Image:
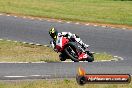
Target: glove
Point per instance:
(55, 50)
(52, 44)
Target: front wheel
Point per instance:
(71, 50)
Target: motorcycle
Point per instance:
(70, 49)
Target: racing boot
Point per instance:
(62, 57)
(84, 46)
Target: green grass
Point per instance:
(103, 56)
(100, 11)
(58, 84)
(18, 52)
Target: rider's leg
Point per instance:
(62, 56)
(81, 42)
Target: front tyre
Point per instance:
(71, 50)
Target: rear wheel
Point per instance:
(71, 50)
(91, 57)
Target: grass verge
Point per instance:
(99, 11)
(19, 52)
(58, 84)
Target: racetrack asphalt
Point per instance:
(115, 41)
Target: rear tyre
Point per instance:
(91, 57)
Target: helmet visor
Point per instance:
(53, 35)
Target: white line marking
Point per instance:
(1, 14)
(115, 56)
(72, 61)
(95, 61)
(15, 41)
(35, 75)
(39, 19)
(21, 62)
(68, 22)
(7, 15)
(1, 39)
(14, 62)
(14, 76)
(46, 75)
(26, 76)
(31, 43)
(95, 25)
(87, 61)
(40, 75)
(38, 62)
(38, 44)
(32, 18)
(76, 23)
(24, 17)
(120, 58)
(15, 16)
(59, 21)
(87, 24)
(115, 59)
(67, 61)
(46, 45)
(24, 42)
(105, 60)
(123, 28)
(93, 52)
(103, 26)
(112, 27)
(8, 40)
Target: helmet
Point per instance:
(53, 33)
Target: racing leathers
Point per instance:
(70, 36)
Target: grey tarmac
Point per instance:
(115, 41)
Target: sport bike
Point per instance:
(70, 49)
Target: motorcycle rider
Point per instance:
(55, 34)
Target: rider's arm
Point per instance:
(52, 44)
(66, 34)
